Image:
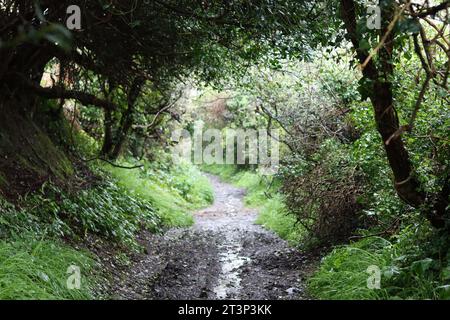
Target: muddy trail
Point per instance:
(225, 255)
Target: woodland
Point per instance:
(91, 93)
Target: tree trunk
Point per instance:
(108, 138)
(378, 75)
(127, 118)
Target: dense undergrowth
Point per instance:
(407, 268)
(34, 258)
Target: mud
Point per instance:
(225, 255)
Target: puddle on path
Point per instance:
(229, 282)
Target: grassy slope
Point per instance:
(34, 263)
(173, 194)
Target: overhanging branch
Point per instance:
(433, 10)
(62, 93)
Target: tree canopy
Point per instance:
(127, 49)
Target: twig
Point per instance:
(113, 164)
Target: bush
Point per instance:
(326, 194)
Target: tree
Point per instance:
(131, 44)
(378, 70)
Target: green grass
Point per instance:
(117, 208)
(173, 194)
(191, 184)
(273, 216)
(262, 193)
(407, 271)
(37, 269)
(226, 171)
(257, 186)
(343, 273)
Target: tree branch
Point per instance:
(433, 10)
(58, 92)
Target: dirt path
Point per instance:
(223, 256)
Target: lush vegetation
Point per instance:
(360, 102)
(407, 271)
(123, 202)
(336, 188)
(174, 192)
(33, 268)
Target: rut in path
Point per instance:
(225, 255)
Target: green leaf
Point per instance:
(364, 88)
(421, 266)
(444, 292)
(409, 26)
(445, 273)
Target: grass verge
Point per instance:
(405, 269)
(40, 269)
(173, 193)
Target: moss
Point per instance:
(56, 160)
(28, 155)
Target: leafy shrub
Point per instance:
(326, 195)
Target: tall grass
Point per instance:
(407, 270)
(343, 273)
(37, 269)
(274, 216)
